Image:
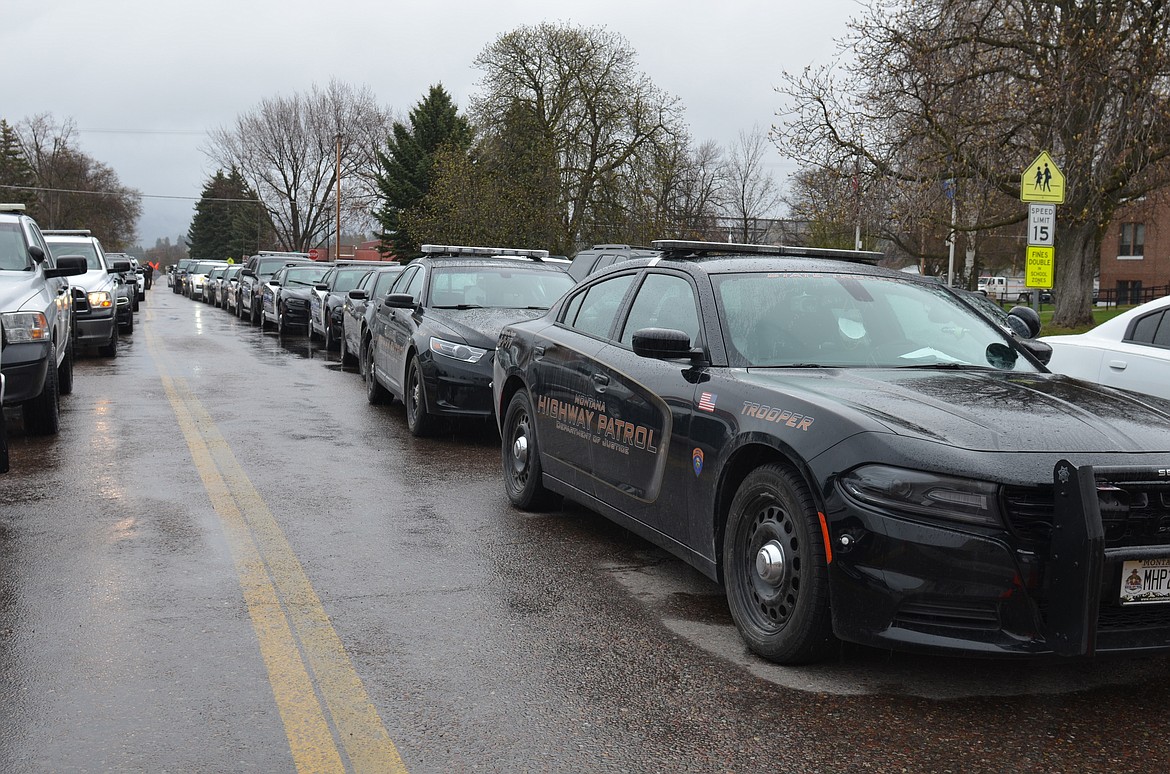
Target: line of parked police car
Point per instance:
(855, 454)
(60, 293)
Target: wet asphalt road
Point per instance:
(229, 561)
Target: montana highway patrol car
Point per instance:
(854, 453)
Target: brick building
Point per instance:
(1135, 253)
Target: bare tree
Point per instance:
(751, 191)
(75, 190)
(288, 149)
(583, 87)
(972, 90)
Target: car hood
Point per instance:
(296, 292)
(94, 279)
(983, 410)
(479, 327)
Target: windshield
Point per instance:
(468, 287)
(84, 249)
(13, 254)
(784, 319)
(309, 275)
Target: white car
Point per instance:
(1130, 352)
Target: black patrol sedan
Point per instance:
(433, 337)
(854, 453)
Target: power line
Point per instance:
(123, 193)
(143, 131)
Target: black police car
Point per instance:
(432, 337)
(853, 452)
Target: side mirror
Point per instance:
(1040, 350)
(321, 286)
(399, 301)
(37, 253)
(68, 266)
(119, 267)
(247, 273)
(1030, 319)
(662, 344)
(358, 295)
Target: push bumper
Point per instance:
(94, 329)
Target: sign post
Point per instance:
(1042, 185)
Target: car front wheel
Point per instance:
(42, 413)
(419, 421)
(775, 570)
(521, 456)
(375, 392)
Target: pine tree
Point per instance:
(404, 175)
(229, 220)
(17, 179)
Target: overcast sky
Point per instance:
(143, 80)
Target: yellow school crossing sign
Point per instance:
(1042, 181)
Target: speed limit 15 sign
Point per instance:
(1041, 224)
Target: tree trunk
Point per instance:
(1078, 246)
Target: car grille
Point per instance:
(1132, 513)
(976, 616)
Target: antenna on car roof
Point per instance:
(685, 248)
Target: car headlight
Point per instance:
(100, 299)
(456, 351)
(926, 494)
(20, 327)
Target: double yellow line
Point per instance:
(319, 695)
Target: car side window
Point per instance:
(382, 286)
(1146, 329)
(594, 309)
(404, 279)
(663, 301)
(414, 289)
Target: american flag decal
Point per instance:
(707, 401)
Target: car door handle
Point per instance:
(1118, 365)
(600, 382)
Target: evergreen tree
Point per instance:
(229, 220)
(16, 174)
(404, 173)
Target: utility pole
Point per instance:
(337, 239)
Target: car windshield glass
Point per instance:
(84, 249)
(786, 319)
(13, 254)
(310, 275)
(497, 286)
(347, 279)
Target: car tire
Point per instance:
(521, 456)
(375, 392)
(42, 413)
(65, 371)
(781, 607)
(110, 349)
(419, 421)
(281, 329)
(128, 325)
(346, 358)
(330, 339)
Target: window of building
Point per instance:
(1133, 240)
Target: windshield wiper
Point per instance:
(941, 366)
(460, 306)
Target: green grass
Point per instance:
(1100, 315)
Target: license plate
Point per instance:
(1145, 580)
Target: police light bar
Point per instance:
(486, 252)
(67, 231)
(684, 248)
(12, 207)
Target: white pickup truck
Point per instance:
(1009, 289)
